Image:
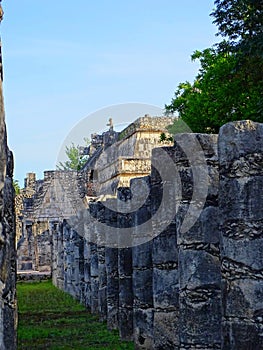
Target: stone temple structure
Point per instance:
(114, 158)
(8, 317)
(164, 242)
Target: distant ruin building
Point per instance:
(116, 158)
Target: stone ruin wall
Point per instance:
(195, 289)
(8, 317)
(41, 203)
(130, 156)
(181, 289)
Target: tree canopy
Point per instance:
(238, 20)
(76, 158)
(16, 187)
(229, 83)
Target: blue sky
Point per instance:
(65, 60)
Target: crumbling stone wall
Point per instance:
(39, 207)
(199, 288)
(8, 317)
(124, 156)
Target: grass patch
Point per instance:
(48, 318)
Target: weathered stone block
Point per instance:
(125, 261)
(200, 317)
(126, 323)
(94, 295)
(246, 252)
(204, 231)
(238, 335)
(198, 268)
(240, 139)
(142, 255)
(248, 191)
(164, 248)
(102, 302)
(125, 292)
(142, 288)
(143, 328)
(111, 260)
(244, 297)
(241, 214)
(166, 330)
(165, 289)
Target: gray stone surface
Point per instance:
(111, 256)
(102, 273)
(199, 288)
(198, 260)
(142, 278)
(125, 268)
(112, 270)
(241, 207)
(8, 317)
(165, 276)
(143, 328)
(87, 275)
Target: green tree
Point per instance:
(165, 138)
(229, 83)
(240, 23)
(16, 187)
(219, 94)
(239, 20)
(76, 158)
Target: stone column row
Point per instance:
(179, 268)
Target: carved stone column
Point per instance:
(241, 214)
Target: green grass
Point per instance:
(50, 319)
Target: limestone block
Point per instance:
(245, 190)
(142, 255)
(142, 279)
(244, 298)
(200, 318)
(238, 142)
(198, 268)
(166, 330)
(165, 289)
(242, 335)
(125, 262)
(241, 214)
(164, 248)
(142, 288)
(111, 259)
(143, 328)
(87, 275)
(126, 323)
(205, 230)
(94, 294)
(125, 292)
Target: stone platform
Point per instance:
(33, 276)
